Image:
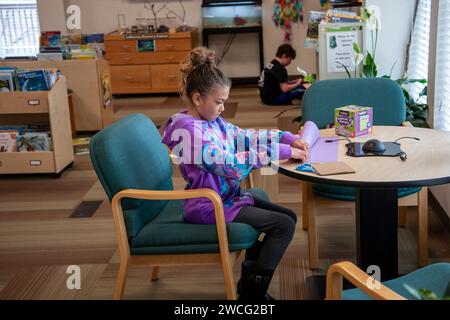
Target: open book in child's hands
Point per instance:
(309, 78)
(302, 72)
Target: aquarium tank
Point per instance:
(231, 14)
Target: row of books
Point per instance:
(55, 38)
(336, 16)
(15, 79)
(56, 47)
(74, 52)
(25, 138)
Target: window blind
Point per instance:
(418, 59)
(442, 83)
(19, 28)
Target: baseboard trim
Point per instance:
(442, 215)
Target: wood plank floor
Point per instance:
(40, 237)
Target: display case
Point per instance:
(231, 14)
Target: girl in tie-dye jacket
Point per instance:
(215, 154)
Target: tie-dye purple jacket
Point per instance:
(241, 151)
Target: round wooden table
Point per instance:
(376, 181)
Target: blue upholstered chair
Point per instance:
(386, 98)
(135, 170)
(434, 277)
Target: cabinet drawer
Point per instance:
(120, 46)
(166, 76)
(24, 102)
(130, 77)
(27, 162)
(147, 57)
(173, 45)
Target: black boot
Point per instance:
(254, 283)
(253, 252)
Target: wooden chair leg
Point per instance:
(312, 231)
(155, 273)
(228, 278)
(121, 280)
(402, 212)
(304, 205)
(423, 227)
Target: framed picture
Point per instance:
(146, 45)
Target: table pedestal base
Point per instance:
(376, 232)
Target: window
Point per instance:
(19, 28)
(418, 59)
(442, 80)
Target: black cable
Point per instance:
(334, 140)
(407, 138)
(344, 138)
(228, 44)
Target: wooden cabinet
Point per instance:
(153, 71)
(89, 81)
(22, 108)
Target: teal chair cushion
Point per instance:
(348, 193)
(169, 234)
(434, 277)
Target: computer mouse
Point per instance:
(373, 146)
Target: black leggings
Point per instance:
(278, 224)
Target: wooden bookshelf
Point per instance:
(23, 108)
(86, 79)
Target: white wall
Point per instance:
(51, 15)
(241, 60)
(396, 22)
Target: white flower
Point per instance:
(357, 58)
(374, 18)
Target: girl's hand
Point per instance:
(300, 144)
(298, 154)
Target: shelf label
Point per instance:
(34, 102)
(35, 163)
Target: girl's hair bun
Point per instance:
(201, 56)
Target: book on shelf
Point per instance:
(50, 39)
(50, 56)
(94, 38)
(8, 140)
(312, 33)
(71, 39)
(81, 145)
(19, 128)
(34, 141)
(341, 16)
(36, 80)
(6, 82)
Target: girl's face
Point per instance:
(212, 105)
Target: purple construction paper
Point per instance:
(324, 151)
(310, 133)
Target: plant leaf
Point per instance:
(423, 92)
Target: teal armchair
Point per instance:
(434, 277)
(386, 98)
(135, 170)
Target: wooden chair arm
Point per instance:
(358, 278)
(248, 183)
(169, 195)
(407, 124)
